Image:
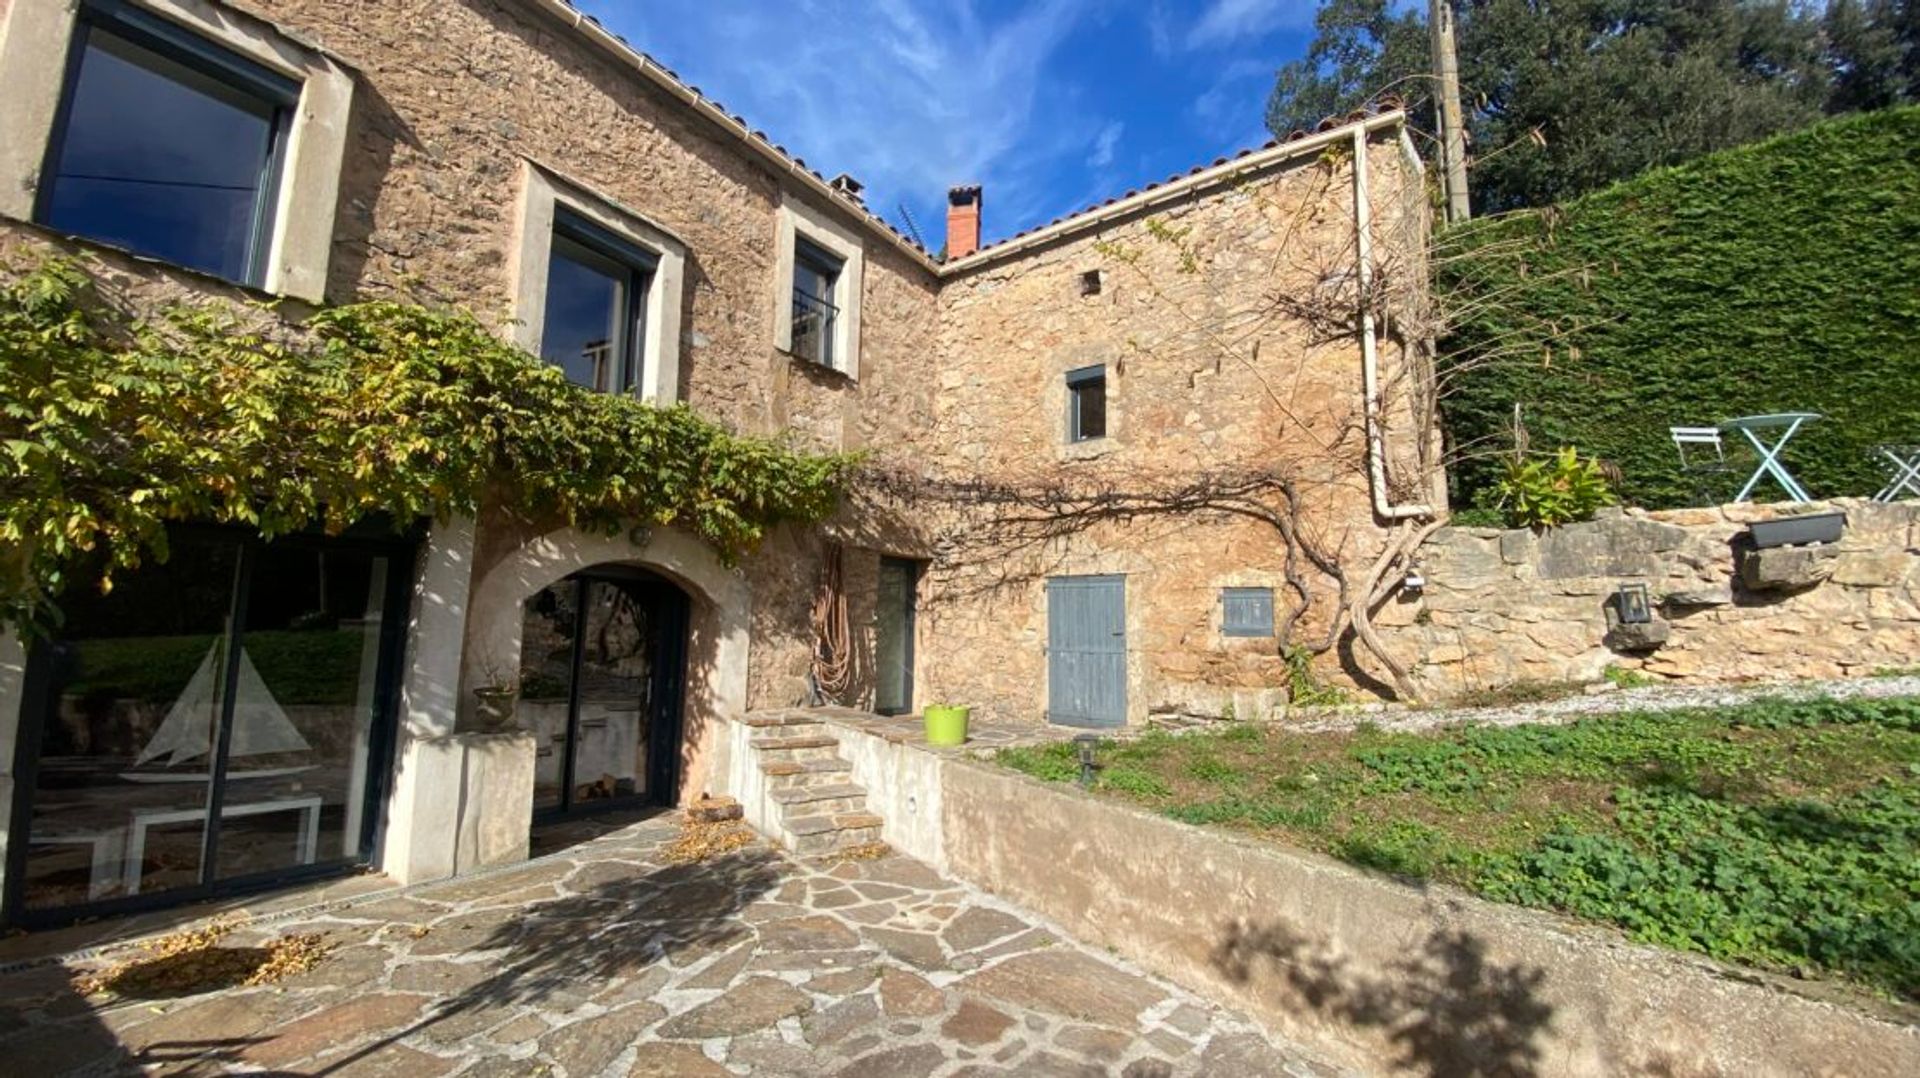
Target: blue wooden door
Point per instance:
(1087, 650)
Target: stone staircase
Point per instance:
(818, 809)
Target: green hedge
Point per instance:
(1782, 276)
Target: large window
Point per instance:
(167, 145)
(596, 302)
(1086, 404)
(218, 721)
(816, 278)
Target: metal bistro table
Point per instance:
(1789, 424)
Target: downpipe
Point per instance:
(1383, 506)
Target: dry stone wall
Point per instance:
(1514, 606)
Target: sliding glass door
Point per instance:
(214, 722)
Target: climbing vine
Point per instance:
(113, 425)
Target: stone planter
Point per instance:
(1798, 531)
(493, 709)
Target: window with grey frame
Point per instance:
(816, 274)
(1087, 404)
(1246, 611)
(167, 144)
(594, 325)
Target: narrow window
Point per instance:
(1246, 611)
(167, 145)
(596, 300)
(1087, 404)
(816, 274)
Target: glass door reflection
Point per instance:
(601, 660)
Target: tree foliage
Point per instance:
(1775, 277)
(111, 427)
(1564, 97)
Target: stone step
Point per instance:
(797, 748)
(788, 721)
(822, 823)
(843, 838)
(811, 741)
(823, 806)
(785, 774)
(801, 795)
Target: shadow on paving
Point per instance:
(48, 1027)
(568, 948)
(1448, 1008)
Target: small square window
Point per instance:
(1246, 611)
(1087, 404)
(1090, 283)
(168, 145)
(816, 276)
(596, 303)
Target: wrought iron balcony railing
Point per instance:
(813, 325)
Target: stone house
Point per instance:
(1188, 367)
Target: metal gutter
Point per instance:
(1383, 506)
(1155, 196)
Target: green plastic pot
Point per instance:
(945, 724)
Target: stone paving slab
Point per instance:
(601, 961)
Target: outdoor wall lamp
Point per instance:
(1414, 581)
(1086, 743)
(1633, 605)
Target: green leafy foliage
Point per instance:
(1304, 689)
(1564, 98)
(1780, 833)
(1776, 277)
(112, 427)
(1539, 493)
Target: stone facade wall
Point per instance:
(1207, 374)
(452, 100)
(1511, 606)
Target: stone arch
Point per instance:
(717, 648)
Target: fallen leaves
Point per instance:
(192, 961)
(702, 841)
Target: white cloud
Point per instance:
(1227, 22)
(911, 96)
(1160, 30)
(1104, 144)
(1232, 111)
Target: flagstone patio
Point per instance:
(600, 959)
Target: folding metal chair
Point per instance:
(1707, 462)
(1902, 465)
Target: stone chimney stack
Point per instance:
(963, 221)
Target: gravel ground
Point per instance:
(1581, 705)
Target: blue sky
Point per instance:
(1050, 104)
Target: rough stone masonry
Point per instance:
(1510, 606)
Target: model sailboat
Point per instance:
(260, 727)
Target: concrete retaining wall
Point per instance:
(1386, 976)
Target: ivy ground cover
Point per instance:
(1784, 835)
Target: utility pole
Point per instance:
(1446, 108)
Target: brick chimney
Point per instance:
(963, 221)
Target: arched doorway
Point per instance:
(603, 665)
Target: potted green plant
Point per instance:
(946, 724)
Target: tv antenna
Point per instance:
(913, 226)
